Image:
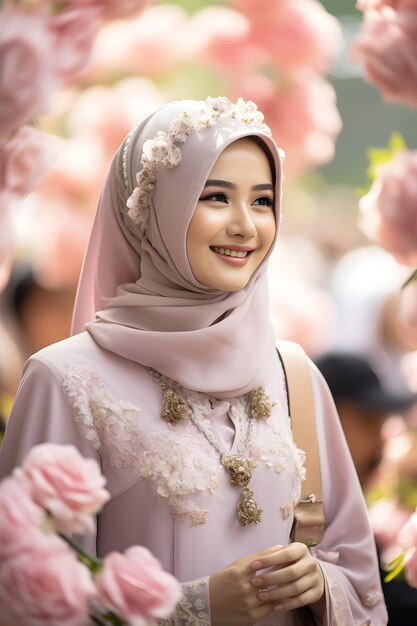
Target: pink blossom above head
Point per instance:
(386, 46)
(388, 211)
(302, 115)
(134, 586)
(26, 75)
(24, 160)
(45, 586)
(298, 34)
(68, 486)
(107, 114)
(20, 520)
(129, 45)
(73, 31)
(220, 37)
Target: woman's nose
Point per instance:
(241, 222)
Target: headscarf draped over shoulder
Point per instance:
(137, 295)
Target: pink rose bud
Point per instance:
(45, 586)
(24, 159)
(134, 586)
(68, 486)
(20, 519)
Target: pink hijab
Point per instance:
(137, 295)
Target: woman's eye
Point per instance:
(264, 201)
(217, 197)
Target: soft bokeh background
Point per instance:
(294, 59)
(96, 67)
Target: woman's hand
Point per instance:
(233, 599)
(296, 580)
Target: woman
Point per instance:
(176, 387)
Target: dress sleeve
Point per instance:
(193, 609)
(42, 413)
(347, 553)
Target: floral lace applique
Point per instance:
(193, 609)
(173, 463)
(275, 446)
(371, 599)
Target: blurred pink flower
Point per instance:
(220, 37)
(24, 159)
(20, 520)
(45, 585)
(302, 115)
(387, 518)
(300, 33)
(106, 114)
(148, 45)
(407, 536)
(26, 75)
(135, 587)
(400, 5)
(386, 46)
(73, 31)
(388, 211)
(68, 486)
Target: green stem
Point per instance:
(92, 563)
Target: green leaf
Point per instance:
(380, 156)
(395, 568)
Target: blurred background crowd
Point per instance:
(338, 86)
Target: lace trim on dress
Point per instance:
(176, 464)
(177, 460)
(193, 609)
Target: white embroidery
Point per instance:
(339, 606)
(163, 148)
(177, 460)
(177, 464)
(193, 609)
(371, 599)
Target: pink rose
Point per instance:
(73, 31)
(20, 520)
(24, 159)
(387, 48)
(387, 517)
(45, 586)
(134, 586)
(388, 213)
(26, 76)
(68, 486)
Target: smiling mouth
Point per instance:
(238, 254)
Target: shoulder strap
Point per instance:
(309, 513)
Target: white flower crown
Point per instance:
(163, 148)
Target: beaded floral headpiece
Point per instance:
(163, 148)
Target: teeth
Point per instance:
(236, 253)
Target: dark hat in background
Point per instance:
(351, 377)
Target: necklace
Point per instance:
(240, 467)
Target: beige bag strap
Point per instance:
(309, 513)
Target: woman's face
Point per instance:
(233, 225)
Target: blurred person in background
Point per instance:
(363, 403)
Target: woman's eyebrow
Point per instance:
(212, 182)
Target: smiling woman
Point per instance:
(172, 382)
(233, 225)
